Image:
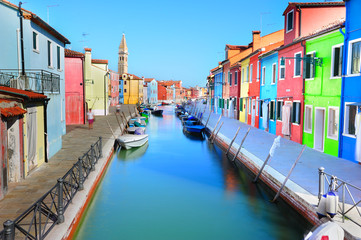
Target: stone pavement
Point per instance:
(76, 142)
(304, 178)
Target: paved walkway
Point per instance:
(305, 175)
(76, 142)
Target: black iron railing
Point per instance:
(36, 80)
(39, 219)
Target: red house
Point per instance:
(74, 87)
(301, 19)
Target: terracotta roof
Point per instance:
(313, 4)
(21, 93)
(235, 47)
(10, 108)
(71, 53)
(134, 77)
(148, 79)
(100, 61)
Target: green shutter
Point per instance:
(241, 104)
(227, 103)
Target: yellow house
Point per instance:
(244, 90)
(132, 88)
(96, 78)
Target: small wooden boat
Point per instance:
(128, 141)
(157, 112)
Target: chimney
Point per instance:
(256, 39)
(87, 63)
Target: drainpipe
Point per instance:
(343, 74)
(21, 41)
(303, 63)
(46, 100)
(83, 82)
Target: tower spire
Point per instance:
(123, 56)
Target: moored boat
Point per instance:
(131, 140)
(157, 112)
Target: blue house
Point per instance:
(34, 62)
(350, 115)
(268, 92)
(121, 89)
(218, 89)
(152, 90)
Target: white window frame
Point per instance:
(306, 130)
(37, 42)
(257, 80)
(59, 69)
(274, 72)
(250, 106)
(294, 65)
(311, 68)
(333, 59)
(293, 21)
(349, 56)
(50, 52)
(282, 67)
(336, 109)
(250, 73)
(346, 122)
(297, 101)
(263, 76)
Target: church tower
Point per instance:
(123, 57)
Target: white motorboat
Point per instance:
(133, 129)
(327, 230)
(131, 140)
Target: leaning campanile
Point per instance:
(123, 57)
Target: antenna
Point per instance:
(47, 10)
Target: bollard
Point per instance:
(240, 146)
(92, 158)
(9, 230)
(230, 145)
(81, 175)
(60, 209)
(214, 136)
(321, 182)
(100, 147)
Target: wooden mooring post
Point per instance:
(214, 136)
(219, 119)
(240, 146)
(289, 173)
(208, 119)
(230, 145)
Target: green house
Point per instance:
(322, 70)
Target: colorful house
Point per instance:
(96, 74)
(121, 90)
(114, 88)
(349, 132)
(322, 73)
(43, 49)
(133, 88)
(74, 87)
(218, 89)
(152, 90)
(301, 19)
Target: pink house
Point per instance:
(74, 87)
(114, 88)
(301, 19)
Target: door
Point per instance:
(253, 114)
(31, 138)
(319, 129)
(14, 150)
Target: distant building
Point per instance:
(132, 88)
(123, 57)
(152, 90)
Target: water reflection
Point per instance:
(132, 154)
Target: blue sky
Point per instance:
(167, 40)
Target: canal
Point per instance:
(177, 187)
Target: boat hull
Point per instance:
(130, 141)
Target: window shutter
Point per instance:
(227, 103)
(241, 104)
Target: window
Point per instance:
(250, 73)
(58, 57)
(297, 70)
(35, 41)
(246, 74)
(308, 119)
(355, 48)
(350, 115)
(235, 78)
(230, 78)
(257, 101)
(50, 55)
(272, 110)
(309, 66)
(282, 69)
(125, 90)
(242, 75)
(273, 73)
(279, 110)
(249, 105)
(336, 65)
(257, 71)
(260, 108)
(125, 82)
(332, 124)
(289, 26)
(296, 112)
(263, 76)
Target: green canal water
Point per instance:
(177, 187)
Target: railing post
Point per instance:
(60, 201)
(321, 182)
(9, 230)
(100, 147)
(92, 158)
(81, 175)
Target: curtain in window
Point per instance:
(286, 117)
(265, 115)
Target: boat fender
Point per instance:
(321, 209)
(332, 203)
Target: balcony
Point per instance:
(40, 81)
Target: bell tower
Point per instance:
(123, 57)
